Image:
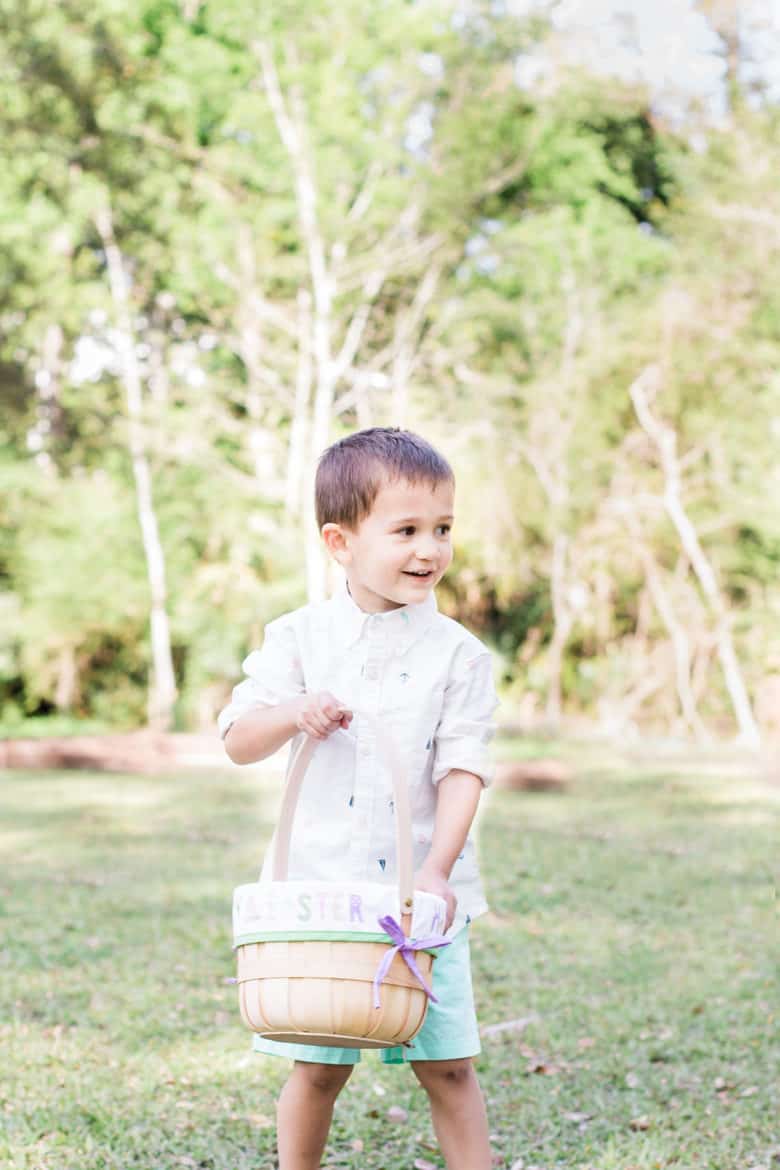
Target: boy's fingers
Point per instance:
(314, 725)
(335, 709)
(322, 725)
(452, 905)
(325, 716)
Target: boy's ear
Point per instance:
(335, 542)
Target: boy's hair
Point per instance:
(351, 471)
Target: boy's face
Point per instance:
(407, 532)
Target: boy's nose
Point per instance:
(426, 550)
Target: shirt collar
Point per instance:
(403, 626)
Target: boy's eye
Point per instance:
(409, 529)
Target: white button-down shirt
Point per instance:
(427, 680)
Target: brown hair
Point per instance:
(351, 471)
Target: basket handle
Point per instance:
(403, 816)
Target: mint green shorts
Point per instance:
(450, 1031)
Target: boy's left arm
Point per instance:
(461, 766)
(456, 805)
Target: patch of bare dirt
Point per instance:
(132, 751)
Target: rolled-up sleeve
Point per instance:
(466, 726)
(274, 675)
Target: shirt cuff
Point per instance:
(467, 756)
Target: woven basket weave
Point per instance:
(321, 990)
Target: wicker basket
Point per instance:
(309, 989)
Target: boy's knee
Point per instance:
(443, 1075)
(324, 1078)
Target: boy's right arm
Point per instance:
(263, 730)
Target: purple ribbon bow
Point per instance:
(406, 947)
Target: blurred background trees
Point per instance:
(230, 234)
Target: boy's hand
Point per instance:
(321, 714)
(434, 881)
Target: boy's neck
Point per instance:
(386, 606)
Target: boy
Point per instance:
(384, 501)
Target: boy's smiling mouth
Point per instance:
(425, 573)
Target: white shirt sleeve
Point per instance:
(466, 726)
(275, 674)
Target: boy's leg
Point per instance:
(441, 1056)
(457, 1111)
(304, 1112)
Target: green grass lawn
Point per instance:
(634, 923)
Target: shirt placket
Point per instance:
(366, 762)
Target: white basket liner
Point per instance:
(300, 907)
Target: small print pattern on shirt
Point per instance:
(427, 681)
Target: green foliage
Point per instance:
(578, 238)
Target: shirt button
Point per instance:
(371, 672)
(365, 750)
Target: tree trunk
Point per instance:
(547, 452)
(66, 689)
(316, 580)
(261, 429)
(48, 381)
(406, 342)
(724, 16)
(299, 428)
(562, 625)
(679, 638)
(290, 127)
(162, 691)
(664, 439)
(335, 340)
